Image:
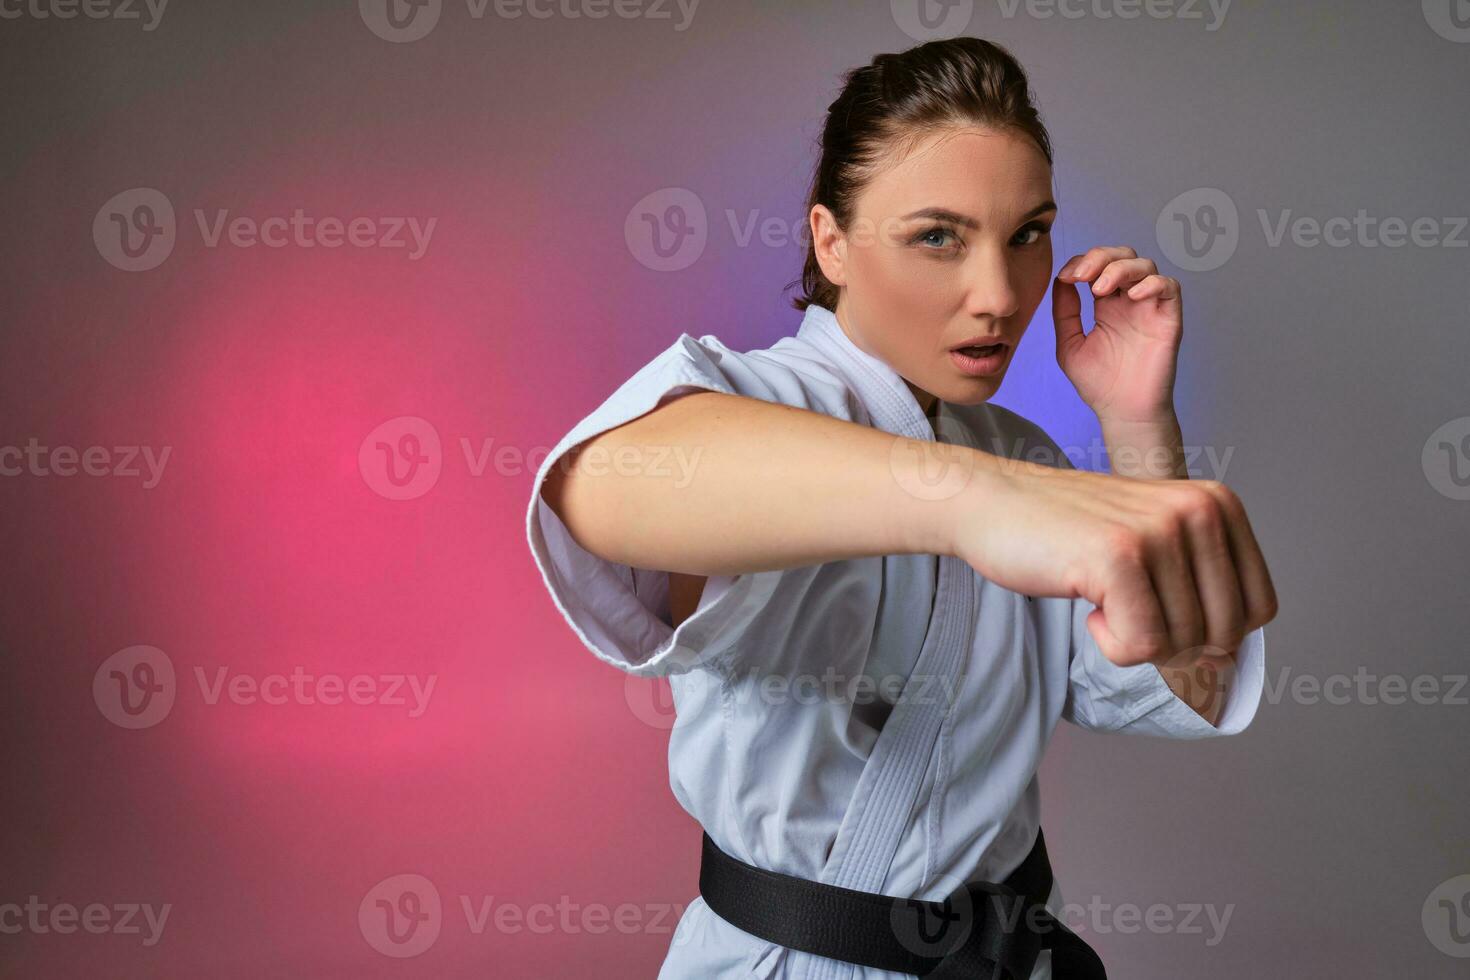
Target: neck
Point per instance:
(926, 401)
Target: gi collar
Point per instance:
(888, 399)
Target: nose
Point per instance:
(991, 287)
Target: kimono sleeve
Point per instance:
(1103, 696)
(621, 613)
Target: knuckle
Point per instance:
(1151, 648)
(1229, 636)
(1168, 528)
(1124, 546)
(1221, 493)
(1192, 635)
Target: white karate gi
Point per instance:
(780, 772)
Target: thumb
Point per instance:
(1066, 314)
(1107, 643)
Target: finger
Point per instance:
(1085, 267)
(1066, 315)
(1121, 273)
(1129, 624)
(1218, 579)
(1173, 580)
(1256, 588)
(1155, 287)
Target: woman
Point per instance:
(874, 593)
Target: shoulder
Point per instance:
(789, 371)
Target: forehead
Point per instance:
(972, 170)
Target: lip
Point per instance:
(980, 367)
(980, 342)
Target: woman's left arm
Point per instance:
(1124, 370)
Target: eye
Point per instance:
(1032, 233)
(927, 237)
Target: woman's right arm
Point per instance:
(710, 483)
(718, 484)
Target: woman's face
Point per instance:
(949, 244)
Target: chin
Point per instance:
(971, 391)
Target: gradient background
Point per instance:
(537, 776)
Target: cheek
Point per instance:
(895, 279)
(1033, 276)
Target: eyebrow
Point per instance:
(954, 217)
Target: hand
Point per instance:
(1172, 565)
(1124, 367)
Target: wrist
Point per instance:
(1145, 448)
(1163, 418)
(942, 514)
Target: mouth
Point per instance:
(979, 360)
(974, 350)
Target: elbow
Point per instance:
(574, 498)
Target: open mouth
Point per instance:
(980, 360)
(981, 351)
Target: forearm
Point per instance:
(761, 486)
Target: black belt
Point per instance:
(982, 931)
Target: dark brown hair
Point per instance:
(889, 105)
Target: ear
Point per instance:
(830, 245)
